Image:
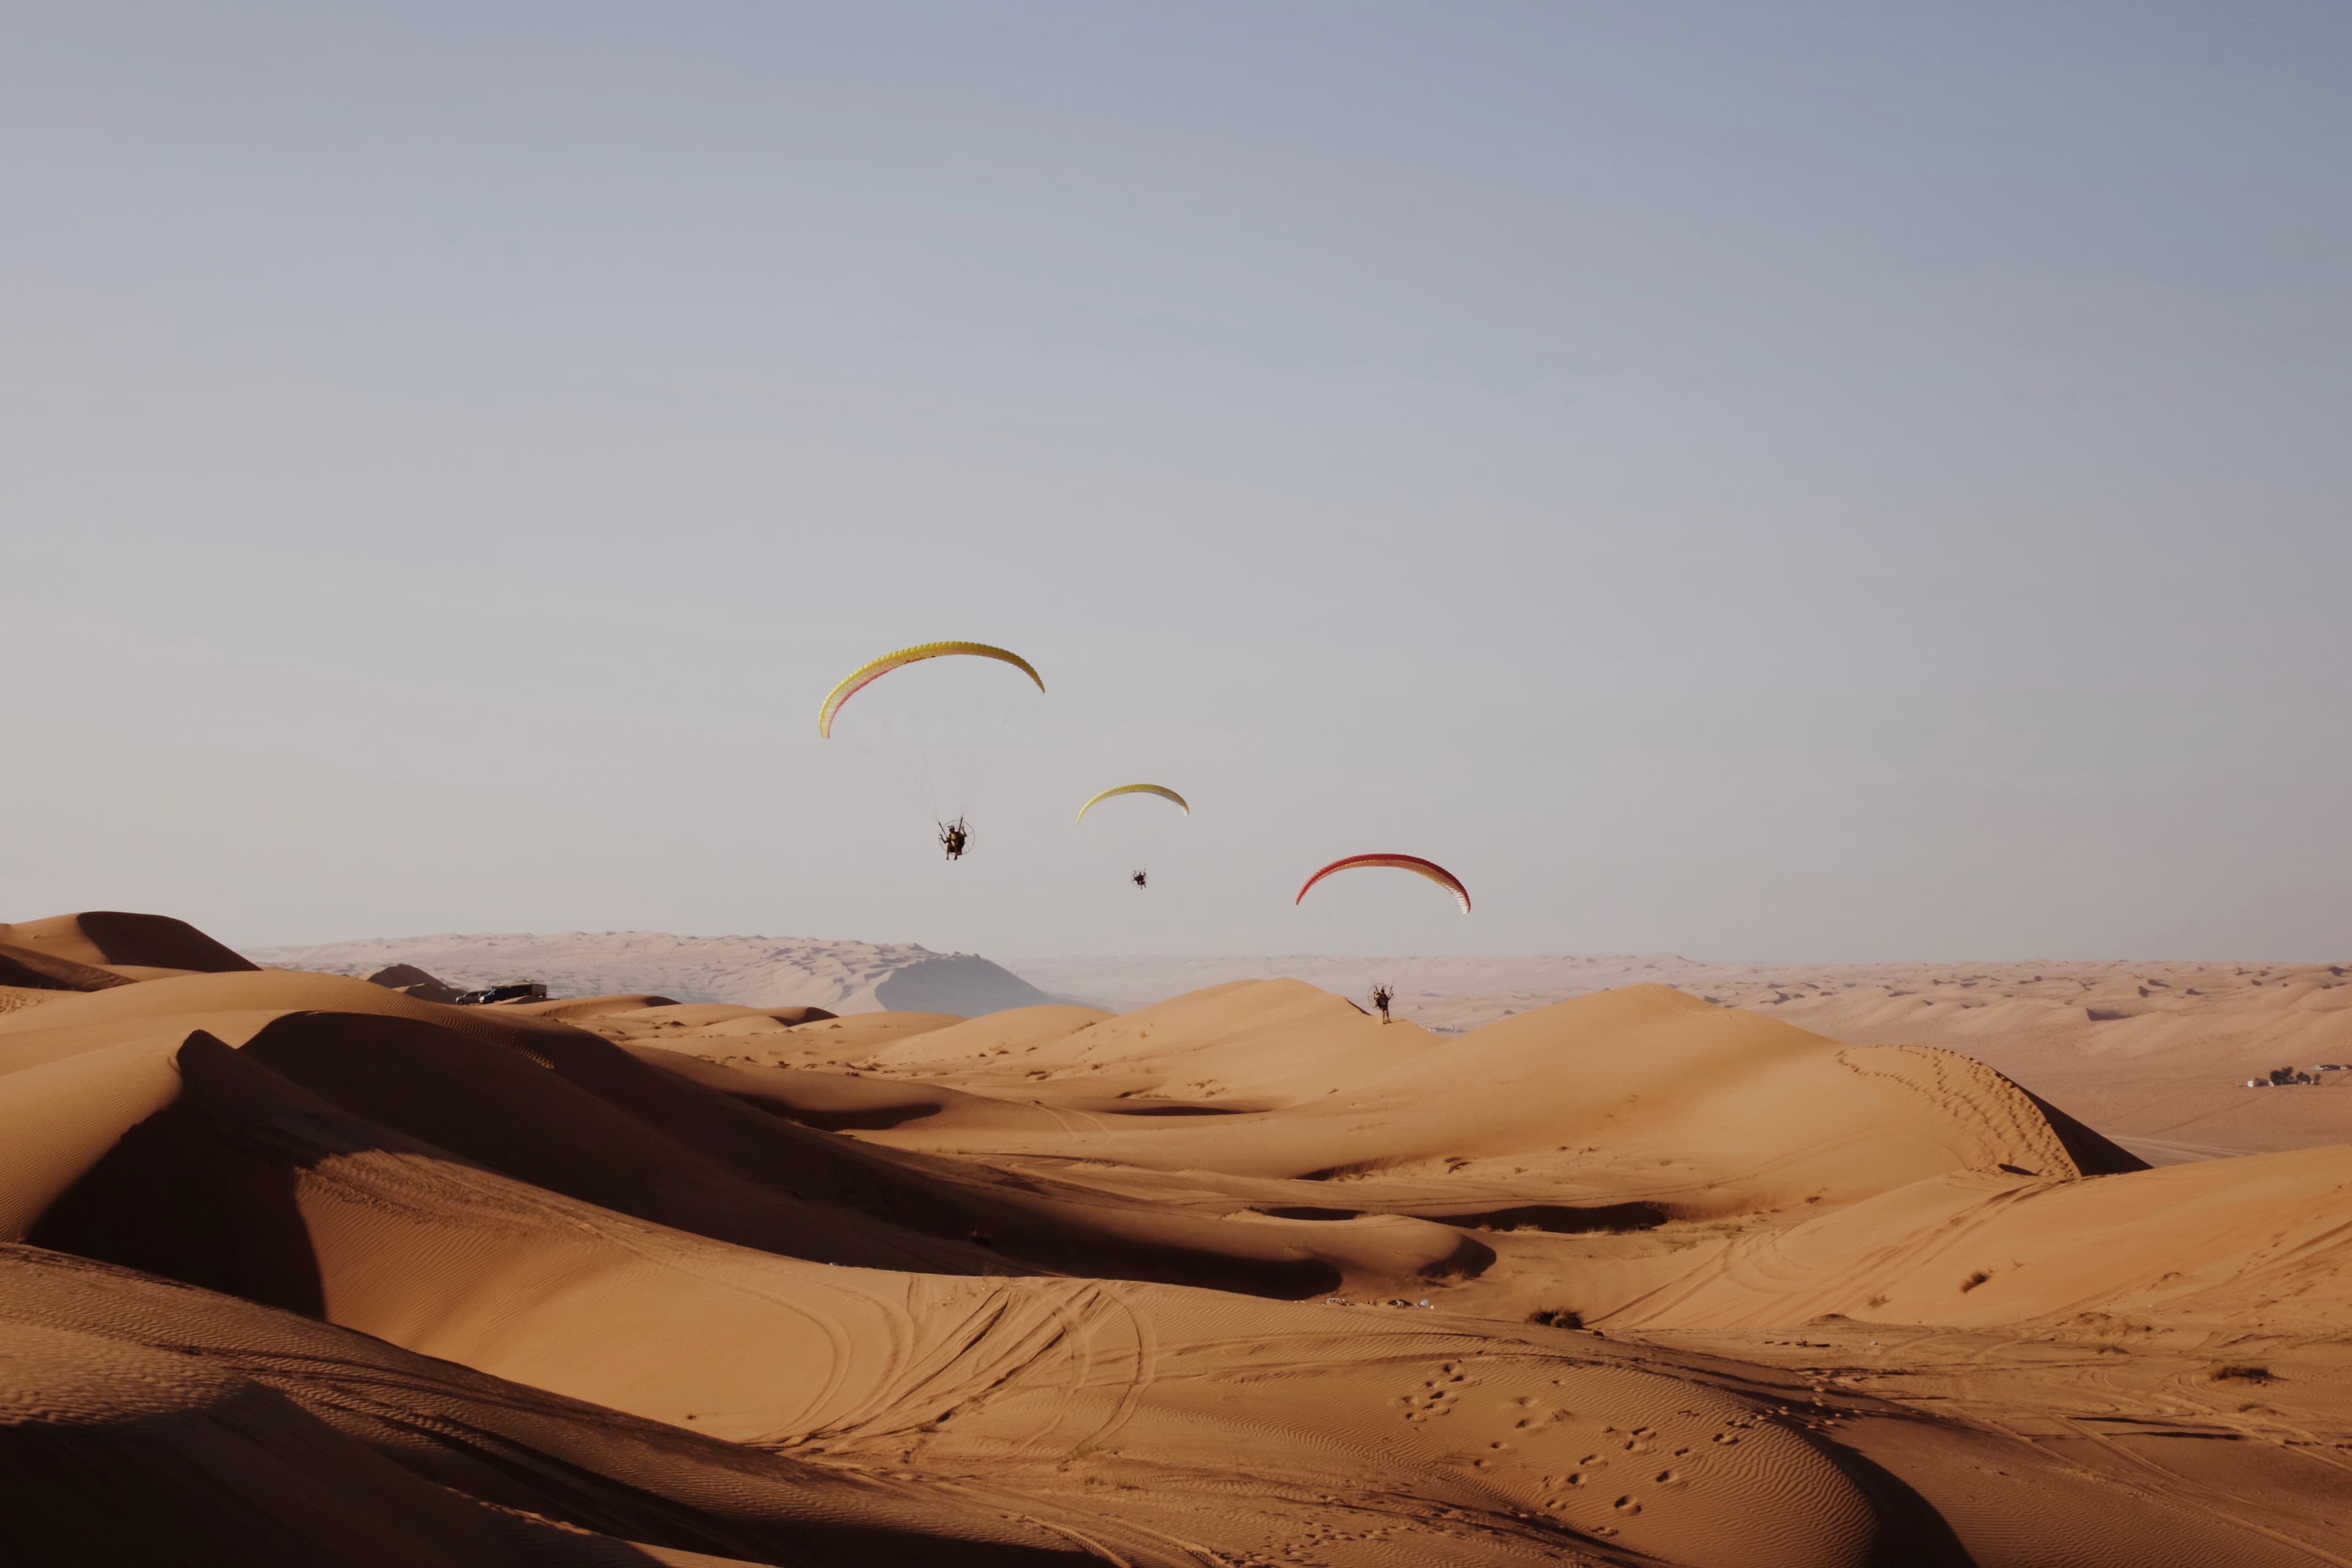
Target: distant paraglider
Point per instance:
(1414, 863)
(941, 730)
(1162, 791)
(928, 707)
(1140, 876)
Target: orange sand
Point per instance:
(306, 1270)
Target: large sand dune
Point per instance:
(2157, 1054)
(305, 1269)
(843, 976)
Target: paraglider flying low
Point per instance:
(1414, 863)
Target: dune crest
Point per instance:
(841, 976)
(136, 945)
(2155, 1053)
(305, 1268)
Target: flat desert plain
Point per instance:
(1840, 1268)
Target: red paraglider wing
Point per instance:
(1414, 863)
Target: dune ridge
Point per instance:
(2156, 1053)
(303, 1269)
(841, 976)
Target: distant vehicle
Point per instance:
(520, 991)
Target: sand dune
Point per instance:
(2220, 1245)
(451, 1455)
(2156, 1053)
(1130, 981)
(312, 1269)
(1641, 1092)
(138, 944)
(841, 976)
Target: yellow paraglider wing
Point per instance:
(1162, 791)
(866, 674)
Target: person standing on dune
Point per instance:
(1381, 995)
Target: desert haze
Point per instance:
(1717, 1266)
(844, 976)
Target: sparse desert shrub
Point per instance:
(2240, 1372)
(1557, 1317)
(1975, 1279)
(1876, 1302)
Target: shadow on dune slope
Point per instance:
(145, 1421)
(199, 1191)
(992, 1375)
(111, 937)
(35, 970)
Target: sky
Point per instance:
(1810, 482)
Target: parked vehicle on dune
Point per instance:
(518, 991)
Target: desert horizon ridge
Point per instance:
(302, 1268)
(2157, 1053)
(1278, 602)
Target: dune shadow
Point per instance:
(1562, 1219)
(1555, 1219)
(869, 1119)
(188, 1195)
(1913, 1533)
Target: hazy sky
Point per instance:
(1824, 481)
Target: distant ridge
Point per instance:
(1447, 993)
(757, 970)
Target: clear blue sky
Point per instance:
(1827, 481)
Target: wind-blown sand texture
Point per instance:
(303, 1269)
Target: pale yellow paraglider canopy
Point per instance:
(1162, 791)
(866, 675)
